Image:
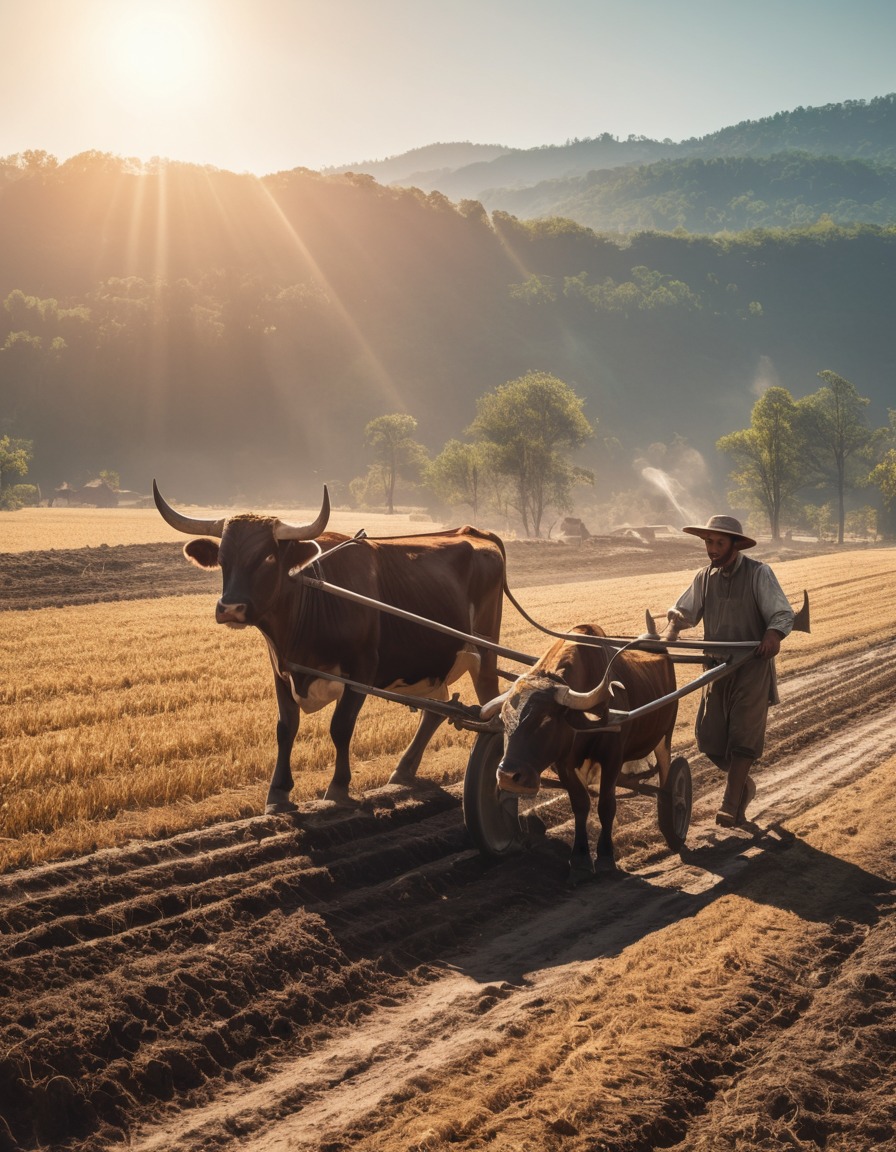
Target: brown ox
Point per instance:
(551, 716)
(454, 577)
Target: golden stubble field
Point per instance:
(37, 529)
(143, 717)
(361, 978)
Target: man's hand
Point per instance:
(672, 629)
(770, 645)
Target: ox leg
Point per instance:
(406, 769)
(342, 728)
(287, 729)
(604, 859)
(580, 866)
(486, 683)
(663, 755)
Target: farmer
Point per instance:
(737, 598)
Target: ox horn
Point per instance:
(587, 701)
(191, 525)
(284, 531)
(493, 707)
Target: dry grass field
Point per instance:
(36, 529)
(181, 973)
(140, 718)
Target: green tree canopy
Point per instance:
(883, 474)
(15, 456)
(396, 455)
(768, 457)
(837, 432)
(458, 474)
(532, 424)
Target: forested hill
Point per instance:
(234, 335)
(727, 194)
(854, 129)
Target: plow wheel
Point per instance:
(673, 804)
(491, 815)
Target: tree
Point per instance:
(531, 424)
(837, 432)
(820, 519)
(15, 456)
(396, 455)
(883, 474)
(768, 456)
(457, 475)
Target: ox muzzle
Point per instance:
(522, 781)
(233, 615)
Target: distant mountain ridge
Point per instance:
(431, 158)
(571, 179)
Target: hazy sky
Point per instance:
(264, 85)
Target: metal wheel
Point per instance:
(673, 804)
(491, 815)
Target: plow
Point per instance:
(493, 816)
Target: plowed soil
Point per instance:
(363, 979)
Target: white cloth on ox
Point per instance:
(589, 773)
(431, 688)
(514, 705)
(320, 693)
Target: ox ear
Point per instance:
(584, 721)
(650, 632)
(306, 551)
(587, 721)
(202, 553)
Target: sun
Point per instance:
(157, 53)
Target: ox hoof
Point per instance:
(533, 825)
(276, 807)
(581, 870)
(340, 797)
(605, 865)
(405, 779)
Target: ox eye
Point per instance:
(271, 558)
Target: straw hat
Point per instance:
(725, 524)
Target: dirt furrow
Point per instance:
(103, 878)
(160, 897)
(355, 1083)
(239, 987)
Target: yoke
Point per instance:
(727, 656)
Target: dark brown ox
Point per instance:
(454, 577)
(551, 716)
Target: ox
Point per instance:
(455, 577)
(553, 715)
